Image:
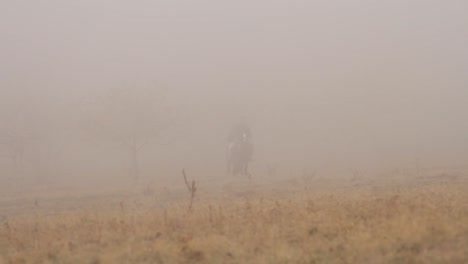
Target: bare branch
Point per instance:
(192, 189)
(186, 181)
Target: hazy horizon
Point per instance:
(325, 85)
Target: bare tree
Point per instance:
(18, 132)
(132, 118)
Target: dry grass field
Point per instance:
(397, 220)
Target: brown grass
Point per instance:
(422, 223)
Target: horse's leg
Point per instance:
(228, 167)
(247, 170)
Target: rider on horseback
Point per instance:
(240, 133)
(240, 148)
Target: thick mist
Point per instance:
(98, 90)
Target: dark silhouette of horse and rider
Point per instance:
(239, 149)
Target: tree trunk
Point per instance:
(135, 166)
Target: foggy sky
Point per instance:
(323, 83)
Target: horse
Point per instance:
(238, 156)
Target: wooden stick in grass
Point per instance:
(191, 188)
